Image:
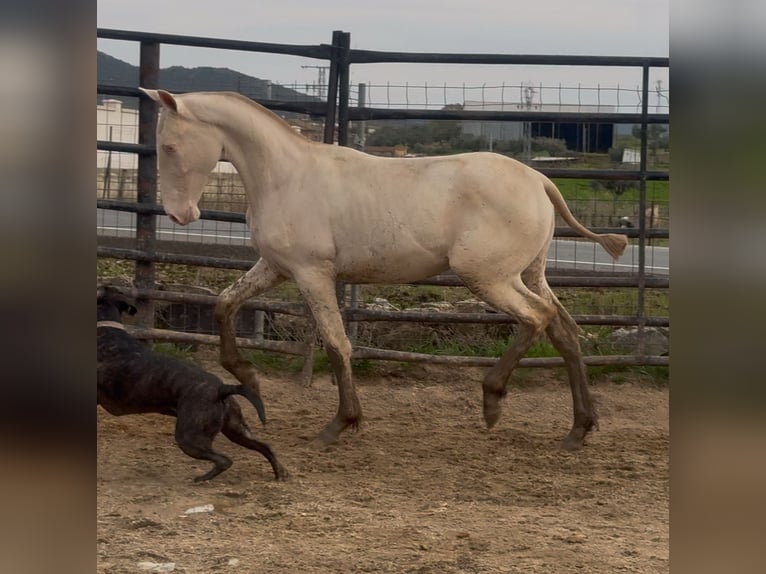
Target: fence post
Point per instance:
(332, 89)
(641, 300)
(339, 74)
(146, 184)
(353, 327)
(343, 87)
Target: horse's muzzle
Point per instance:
(184, 217)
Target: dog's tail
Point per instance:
(248, 393)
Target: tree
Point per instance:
(656, 137)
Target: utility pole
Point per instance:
(528, 94)
(321, 85)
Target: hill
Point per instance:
(115, 72)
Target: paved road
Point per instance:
(564, 253)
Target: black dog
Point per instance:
(133, 379)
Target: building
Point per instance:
(582, 137)
(115, 123)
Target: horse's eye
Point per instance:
(169, 148)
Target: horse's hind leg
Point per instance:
(533, 314)
(256, 281)
(236, 429)
(564, 334)
(318, 288)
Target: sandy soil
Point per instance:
(422, 488)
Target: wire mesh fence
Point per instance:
(512, 96)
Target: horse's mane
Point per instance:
(244, 99)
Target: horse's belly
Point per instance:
(388, 266)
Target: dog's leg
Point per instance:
(195, 437)
(236, 430)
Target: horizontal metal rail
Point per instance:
(566, 280)
(375, 315)
(295, 309)
(284, 347)
(373, 56)
(361, 314)
(352, 314)
(446, 280)
(552, 172)
(228, 216)
(151, 208)
(320, 51)
(140, 149)
(308, 107)
(364, 114)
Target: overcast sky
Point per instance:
(587, 27)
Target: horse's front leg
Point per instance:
(259, 279)
(318, 288)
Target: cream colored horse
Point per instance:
(321, 213)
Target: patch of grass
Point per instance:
(582, 189)
(613, 301)
(492, 348)
(363, 367)
(660, 375)
(212, 278)
(277, 363)
(274, 362)
(111, 268)
(404, 296)
(177, 350)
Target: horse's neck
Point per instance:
(261, 148)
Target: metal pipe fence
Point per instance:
(337, 113)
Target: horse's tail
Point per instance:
(613, 243)
(228, 390)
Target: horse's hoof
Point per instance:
(331, 433)
(574, 441)
(281, 474)
(492, 415)
(571, 445)
(326, 438)
(492, 409)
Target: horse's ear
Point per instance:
(165, 98)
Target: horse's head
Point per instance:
(187, 151)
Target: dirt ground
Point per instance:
(422, 488)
